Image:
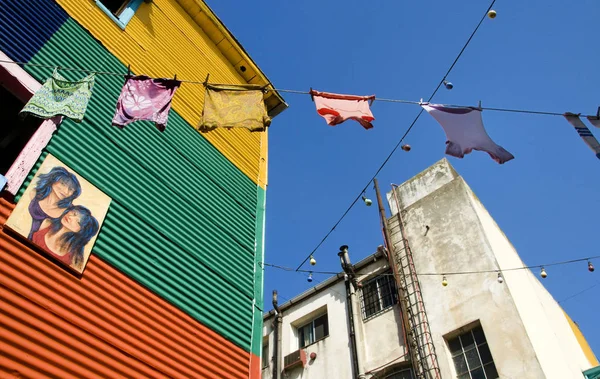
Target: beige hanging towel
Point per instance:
(234, 107)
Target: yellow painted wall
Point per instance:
(162, 40)
(587, 350)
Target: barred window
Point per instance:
(378, 294)
(471, 355)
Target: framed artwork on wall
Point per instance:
(61, 213)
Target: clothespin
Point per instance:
(312, 97)
(129, 70)
(480, 106)
(206, 80)
(371, 101)
(175, 77)
(265, 89)
(598, 113)
(421, 102)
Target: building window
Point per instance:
(16, 131)
(120, 11)
(378, 294)
(265, 353)
(471, 355)
(401, 374)
(315, 330)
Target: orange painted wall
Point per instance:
(102, 325)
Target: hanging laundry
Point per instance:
(144, 98)
(465, 132)
(336, 108)
(584, 132)
(234, 107)
(61, 97)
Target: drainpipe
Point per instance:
(349, 277)
(359, 344)
(277, 337)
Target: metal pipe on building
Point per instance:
(351, 330)
(277, 321)
(360, 347)
(409, 341)
(347, 267)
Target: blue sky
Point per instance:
(539, 55)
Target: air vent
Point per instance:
(297, 358)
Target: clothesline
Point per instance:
(298, 92)
(540, 266)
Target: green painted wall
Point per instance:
(183, 218)
(259, 258)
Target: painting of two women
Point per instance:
(61, 213)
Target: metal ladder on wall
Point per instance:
(423, 351)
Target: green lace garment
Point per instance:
(59, 96)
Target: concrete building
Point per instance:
(317, 323)
(492, 324)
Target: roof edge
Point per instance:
(225, 41)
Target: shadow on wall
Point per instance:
(144, 13)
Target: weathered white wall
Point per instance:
(526, 337)
(424, 183)
(456, 242)
(556, 347)
(333, 352)
(267, 372)
(379, 338)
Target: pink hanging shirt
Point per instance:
(336, 108)
(144, 98)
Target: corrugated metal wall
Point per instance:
(162, 40)
(182, 222)
(16, 16)
(104, 325)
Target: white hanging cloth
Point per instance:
(465, 132)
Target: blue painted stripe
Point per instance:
(34, 20)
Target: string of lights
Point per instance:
(579, 293)
(589, 260)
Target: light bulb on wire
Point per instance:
(543, 273)
(366, 200)
(590, 266)
(500, 278)
(313, 261)
(309, 279)
(444, 281)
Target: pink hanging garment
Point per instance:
(144, 98)
(336, 108)
(465, 132)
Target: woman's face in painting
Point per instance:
(62, 190)
(72, 221)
